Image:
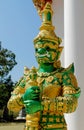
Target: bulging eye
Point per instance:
(47, 48)
(36, 50)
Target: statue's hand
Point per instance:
(33, 106)
(31, 93)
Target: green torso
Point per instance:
(50, 85)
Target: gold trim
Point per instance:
(55, 126)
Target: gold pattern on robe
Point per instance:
(51, 91)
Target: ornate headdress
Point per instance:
(47, 29)
(40, 4)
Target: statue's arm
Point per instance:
(65, 103)
(15, 104)
(70, 93)
(68, 100)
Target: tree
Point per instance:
(7, 62)
(6, 86)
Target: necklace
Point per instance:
(45, 74)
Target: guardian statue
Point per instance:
(49, 91)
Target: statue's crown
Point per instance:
(47, 29)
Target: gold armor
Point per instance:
(58, 96)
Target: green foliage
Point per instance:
(6, 87)
(7, 61)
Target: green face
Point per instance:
(45, 52)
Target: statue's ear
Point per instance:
(59, 50)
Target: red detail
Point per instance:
(45, 1)
(48, 1)
(40, 4)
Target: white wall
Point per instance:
(69, 22)
(58, 17)
(74, 52)
(58, 22)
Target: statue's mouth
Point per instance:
(43, 55)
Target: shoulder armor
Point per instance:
(69, 69)
(68, 76)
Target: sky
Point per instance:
(19, 24)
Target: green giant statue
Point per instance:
(49, 91)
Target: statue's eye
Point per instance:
(36, 49)
(47, 48)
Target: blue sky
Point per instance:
(19, 24)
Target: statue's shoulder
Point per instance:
(68, 76)
(69, 69)
(66, 71)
